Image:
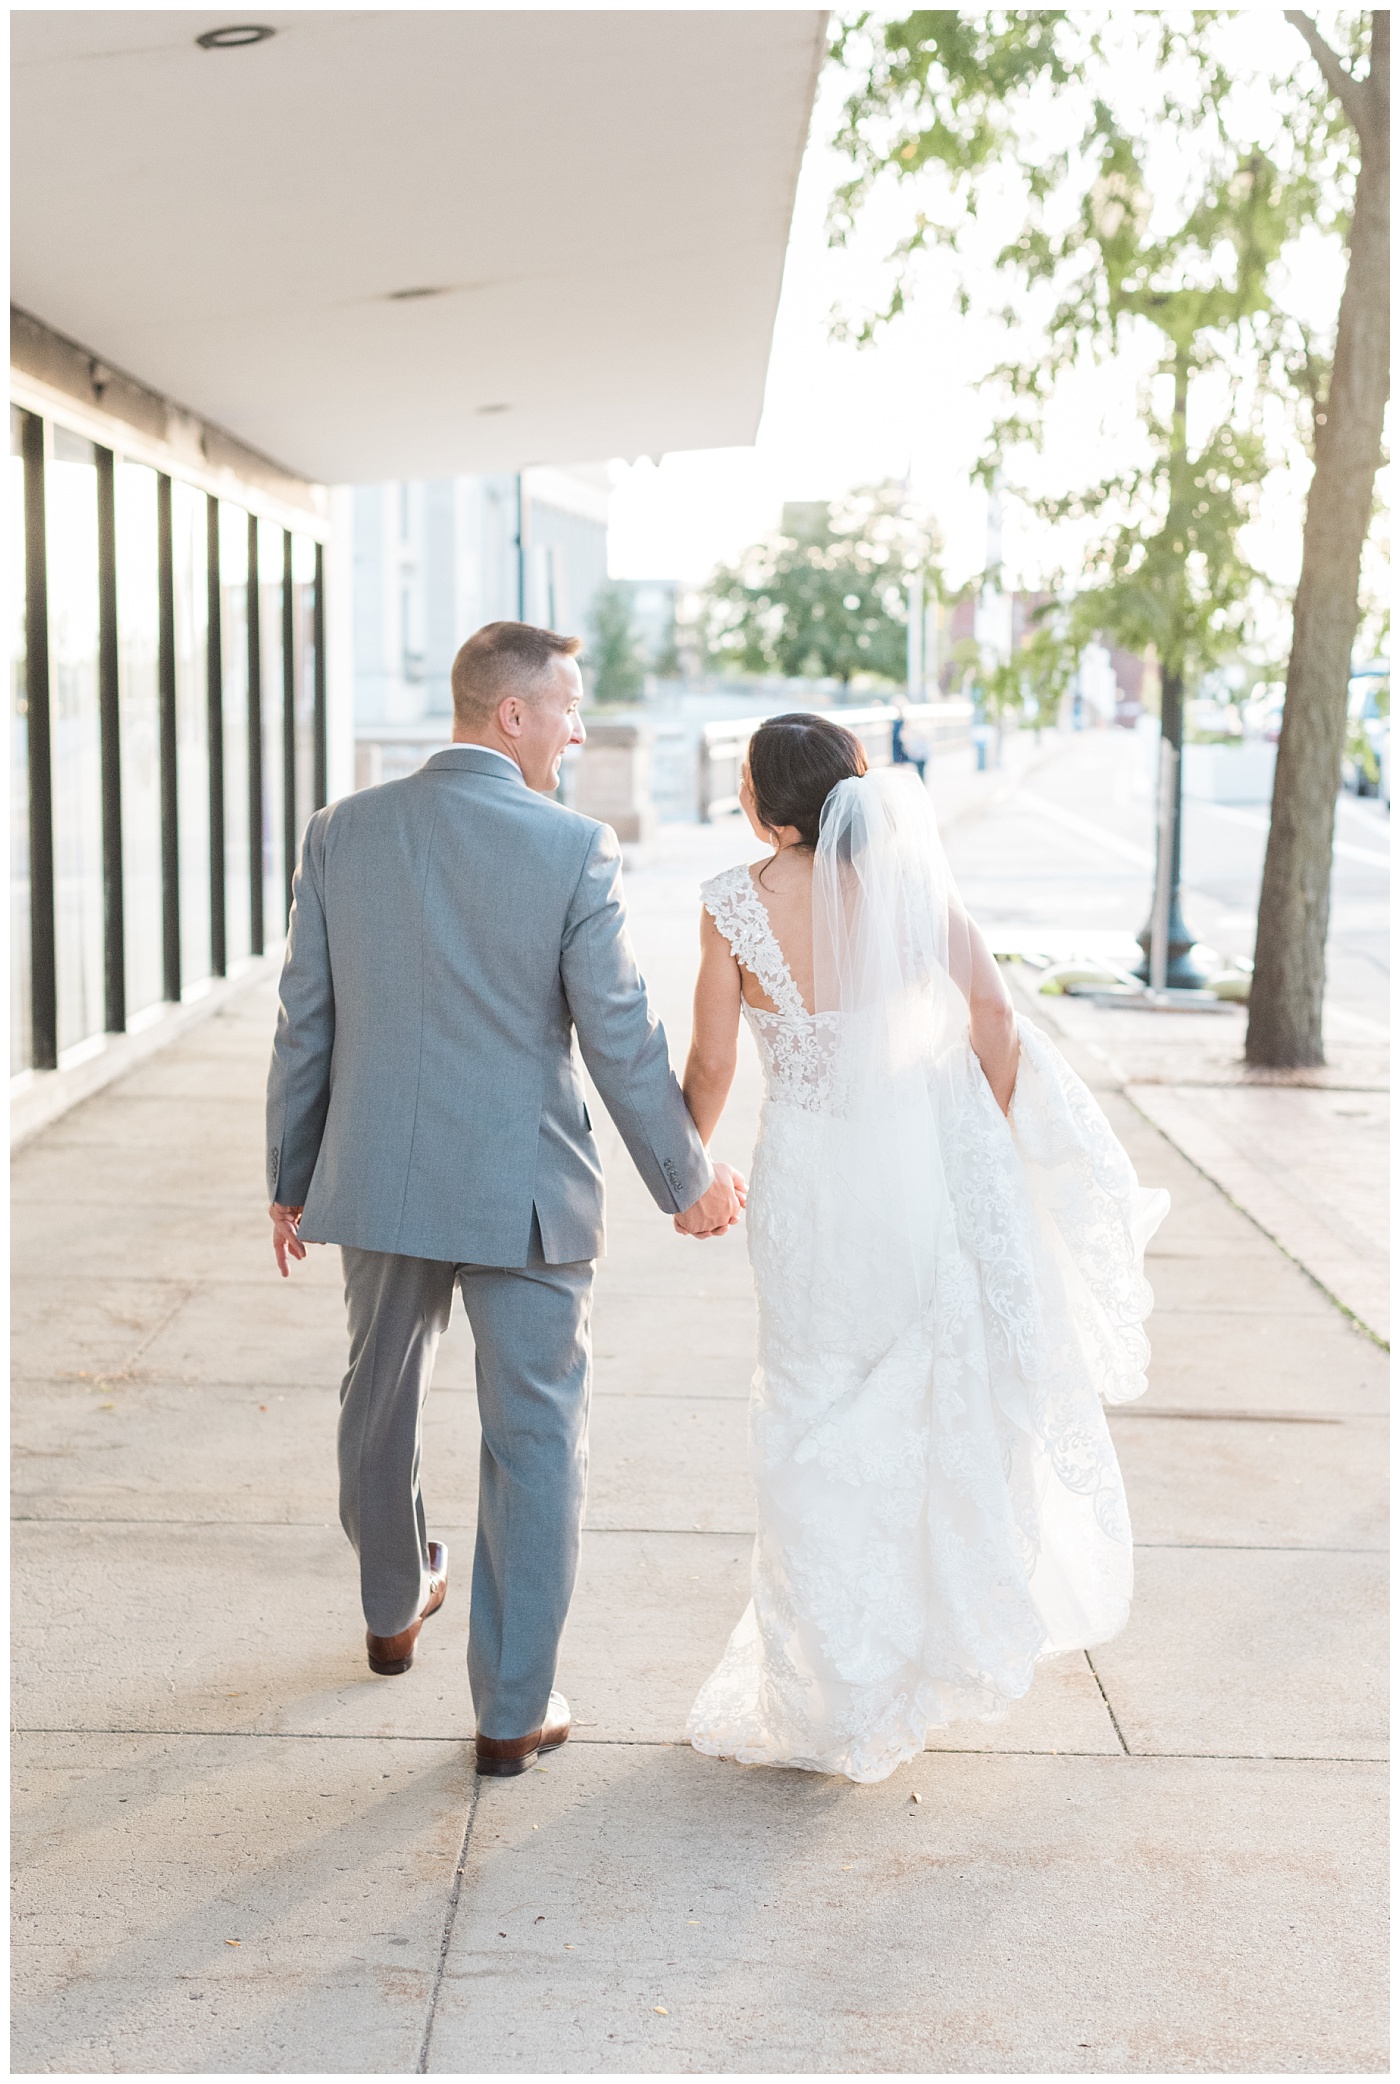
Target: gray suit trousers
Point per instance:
(533, 1375)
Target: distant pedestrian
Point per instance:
(910, 747)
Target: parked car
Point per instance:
(1366, 753)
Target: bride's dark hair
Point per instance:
(794, 764)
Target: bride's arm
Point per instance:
(995, 1042)
(714, 1042)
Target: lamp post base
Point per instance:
(1183, 972)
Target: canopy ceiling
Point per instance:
(597, 202)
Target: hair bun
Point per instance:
(795, 762)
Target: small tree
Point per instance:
(825, 597)
(1192, 267)
(613, 657)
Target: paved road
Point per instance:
(1083, 852)
(238, 1851)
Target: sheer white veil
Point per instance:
(891, 963)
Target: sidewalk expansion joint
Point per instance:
(1117, 1729)
(448, 1923)
(1264, 1548)
(1357, 1323)
(325, 1736)
(1251, 1418)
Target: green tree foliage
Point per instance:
(1034, 680)
(955, 96)
(1168, 222)
(825, 597)
(614, 661)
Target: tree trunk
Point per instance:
(1285, 1007)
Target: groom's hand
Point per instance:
(718, 1207)
(285, 1222)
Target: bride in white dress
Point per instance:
(946, 1240)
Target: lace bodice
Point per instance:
(795, 1047)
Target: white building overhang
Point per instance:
(388, 244)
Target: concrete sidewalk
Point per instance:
(238, 1851)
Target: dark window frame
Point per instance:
(289, 725)
(169, 792)
(109, 713)
(43, 938)
(218, 885)
(255, 748)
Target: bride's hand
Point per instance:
(718, 1208)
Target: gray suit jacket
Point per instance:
(449, 935)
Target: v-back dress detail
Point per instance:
(939, 1503)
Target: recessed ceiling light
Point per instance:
(493, 408)
(406, 296)
(234, 36)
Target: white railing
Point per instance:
(723, 745)
(387, 752)
(694, 770)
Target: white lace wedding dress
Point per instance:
(939, 1503)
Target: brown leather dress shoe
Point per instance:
(500, 1757)
(391, 1654)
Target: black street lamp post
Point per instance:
(1182, 973)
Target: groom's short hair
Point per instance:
(503, 658)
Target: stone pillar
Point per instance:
(614, 778)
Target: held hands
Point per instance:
(285, 1222)
(718, 1208)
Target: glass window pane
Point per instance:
(270, 609)
(190, 542)
(304, 627)
(21, 1034)
(77, 767)
(233, 593)
(138, 680)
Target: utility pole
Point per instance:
(520, 546)
(990, 626)
(914, 672)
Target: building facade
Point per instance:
(168, 711)
(182, 622)
(434, 559)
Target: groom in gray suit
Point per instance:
(450, 934)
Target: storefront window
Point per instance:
(190, 546)
(258, 762)
(270, 612)
(233, 594)
(304, 628)
(74, 721)
(138, 679)
(21, 1032)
